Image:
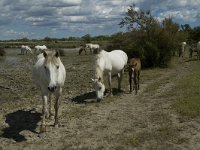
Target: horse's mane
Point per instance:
(98, 69)
(49, 58)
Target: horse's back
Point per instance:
(117, 60)
(135, 62)
(118, 56)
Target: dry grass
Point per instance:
(188, 93)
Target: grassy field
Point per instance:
(188, 92)
(164, 115)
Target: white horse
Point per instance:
(111, 63)
(92, 47)
(198, 50)
(25, 49)
(40, 49)
(182, 49)
(49, 74)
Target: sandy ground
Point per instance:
(125, 121)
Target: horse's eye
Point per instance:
(45, 67)
(99, 88)
(57, 67)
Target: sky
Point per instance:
(36, 19)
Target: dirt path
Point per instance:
(125, 121)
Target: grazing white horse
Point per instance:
(111, 63)
(49, 74)
(25, 49)
(92, 47)
(40, 49)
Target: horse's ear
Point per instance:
(44, 54)
(57, 53)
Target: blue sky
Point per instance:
(65, 18)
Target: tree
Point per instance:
(151, 40)
(86, 38)
(138, 19)
(186, 27)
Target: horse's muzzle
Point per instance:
(52, 89)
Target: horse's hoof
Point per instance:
(42, 135)
(43, 128)
(51, 116)
(56, 125)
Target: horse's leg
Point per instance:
(50, 114)
(109, 83)
(120, 76)
(56, 106)
(135, 83)
(44, 113)
(138, 80)
(130, 80)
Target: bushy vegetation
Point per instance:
(2, 52)
(151, 40)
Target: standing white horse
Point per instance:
(182, 49)
(25, 49)
(49, 74)
(198, 50)
(92, 47)
(111, 63)
(40, 49)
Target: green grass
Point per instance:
(188, 93)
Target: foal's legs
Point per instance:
(135, 83)
(138, 79)
(130, 80)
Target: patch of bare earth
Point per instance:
(125, 121)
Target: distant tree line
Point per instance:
(154, 41)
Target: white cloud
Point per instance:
(87, 15)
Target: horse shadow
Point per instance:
(19, 121)
(90, 97)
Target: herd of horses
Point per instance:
(93, 48)
(49, 75)
(37, 49)
(194, 48)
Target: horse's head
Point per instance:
(99, 88)
(51, 66)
